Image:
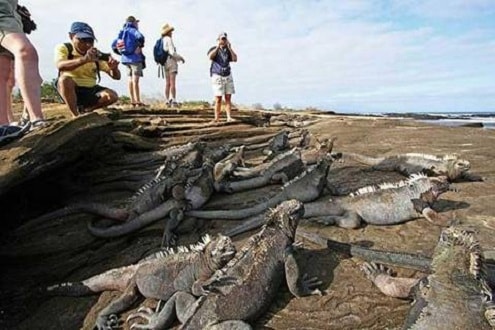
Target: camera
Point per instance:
(102, 56)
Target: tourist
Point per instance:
(221, 76)
(171, 65)
(129, 44)
(14, 40)
(79, 63)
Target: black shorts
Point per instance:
(88, 96)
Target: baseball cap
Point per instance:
(82, 30)
(131, 19)
(222, 35)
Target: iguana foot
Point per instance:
(310, 285)
(109, 322)
(490, 313)
(148, 315)
(372, 270)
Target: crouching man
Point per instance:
(79, 63)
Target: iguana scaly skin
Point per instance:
(245, 287)
(280, 169)
(195, 188)
(150, 196)
(226, 166)
(455, 296)
(388, 204)
(451, 166)
(158, 276)
(306, 187)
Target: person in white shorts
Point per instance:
(221, 74)
(171, 66)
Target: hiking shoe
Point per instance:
(9, 133)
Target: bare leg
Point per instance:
(228, 106)
(173, 77)
(130, 86)
(218, 107)
(135, 87)
(5, 66)
(107, 97)
(26, 71)
(67, 89)
(167, 86)
(10, 87)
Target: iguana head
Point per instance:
(286, 216)
(457, 167)
(439, 185)
(220, 250)
(458, 259)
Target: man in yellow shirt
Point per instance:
(79, 64)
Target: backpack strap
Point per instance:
(70, 56)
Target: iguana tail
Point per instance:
(234, 214)
(93, 208)
(137, 223)
(399, 259)
(362, 159)
(116, 279)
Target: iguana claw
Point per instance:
(148, 315)
(372, 270)
(310, 283)
(109, 322)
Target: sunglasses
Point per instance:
(87, 40)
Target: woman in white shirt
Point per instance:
(171, 66)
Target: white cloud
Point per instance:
(349, 55)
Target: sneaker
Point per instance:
(175, 104)
(169, 103)
(9, 133)
(37, 124)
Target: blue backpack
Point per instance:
(126, 42)
(160, 55)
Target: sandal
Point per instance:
(37, 124)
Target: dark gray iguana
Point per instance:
(157, 276)
(280, 169)
(388, 204)
(451, 166)
(242, 290)
(455, 296)
(150, 196)
(306, 187)
(195, 190)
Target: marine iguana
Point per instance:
(452, 166)
(306, 187)
(226, 166)
(280, 169)
(195, 189)
(149, 197)
(455, 296)
(387, 204)
(242, 290)
(157, 276)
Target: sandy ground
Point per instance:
(66, 252)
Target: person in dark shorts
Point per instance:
(79, 63)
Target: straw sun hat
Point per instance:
(166, 29)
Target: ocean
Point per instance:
(453, 119)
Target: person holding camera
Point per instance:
(79, 63)
(221, 76)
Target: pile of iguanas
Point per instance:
(211, 286)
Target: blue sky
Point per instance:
(346, 56)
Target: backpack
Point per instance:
(160, 55)
(126, 42)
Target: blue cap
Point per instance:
(82, 30)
